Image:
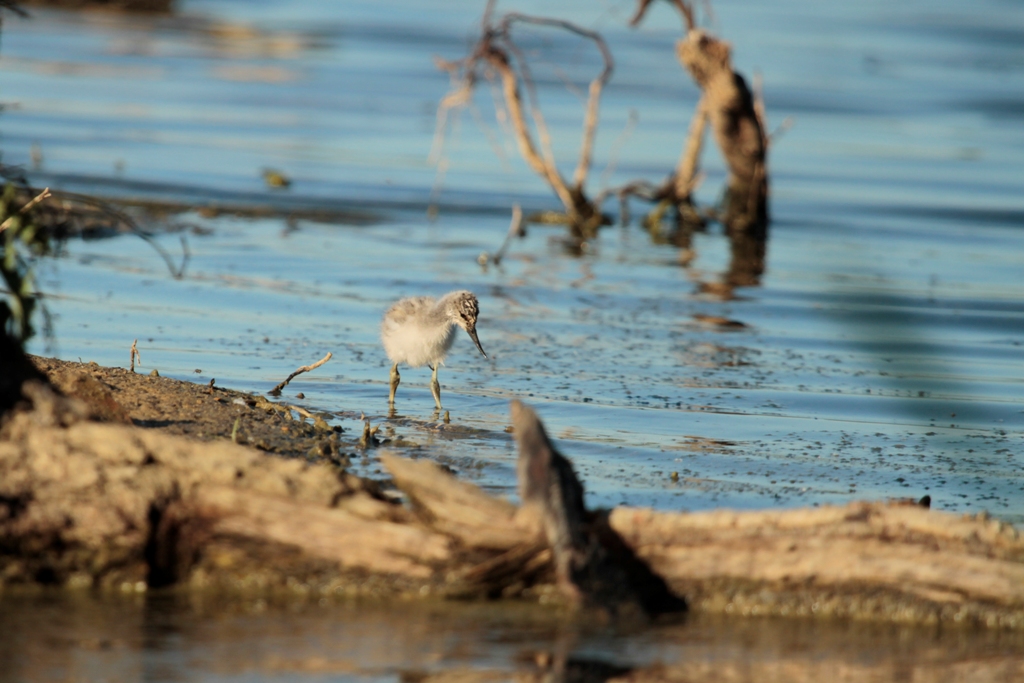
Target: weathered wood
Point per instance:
(99, 504)
(592, 565)
(458, 508)
(928, 563)
(332, 534)
(738, 130)
(107, 504)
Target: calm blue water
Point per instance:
(880, 352)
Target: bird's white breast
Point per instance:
(416, 339)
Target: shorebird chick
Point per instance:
(419, 330)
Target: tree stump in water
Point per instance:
(738, 130)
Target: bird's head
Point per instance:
(463, 309)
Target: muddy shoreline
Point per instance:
(205, 412)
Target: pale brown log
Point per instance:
(330, 534)
(940, 561)
(458, 508)
(111, 505)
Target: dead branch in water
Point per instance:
(737, 121)
(496, 57)
(276, 391)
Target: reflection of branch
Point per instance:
(176, 273)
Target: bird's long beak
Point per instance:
(476, 340)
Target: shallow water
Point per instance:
(160, 638)
(878, 355)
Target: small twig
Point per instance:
(683, 7)
(777, 134)
(38, 198)
(515, 229)
(638, 188)
(276, 391)
(302, 411)
(135, 354)
(369, 438)
(613, 152)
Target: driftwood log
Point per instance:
(105, 505)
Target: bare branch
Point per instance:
(499, 59)
(276, 391)
(134, 353)
(515, 229)
(613, 153)
(684, 9)
(686, 171)
(777, 134)
(510, 88)
(596, 87)
(543, 134)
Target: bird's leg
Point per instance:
(435, 387)
(395, 378)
